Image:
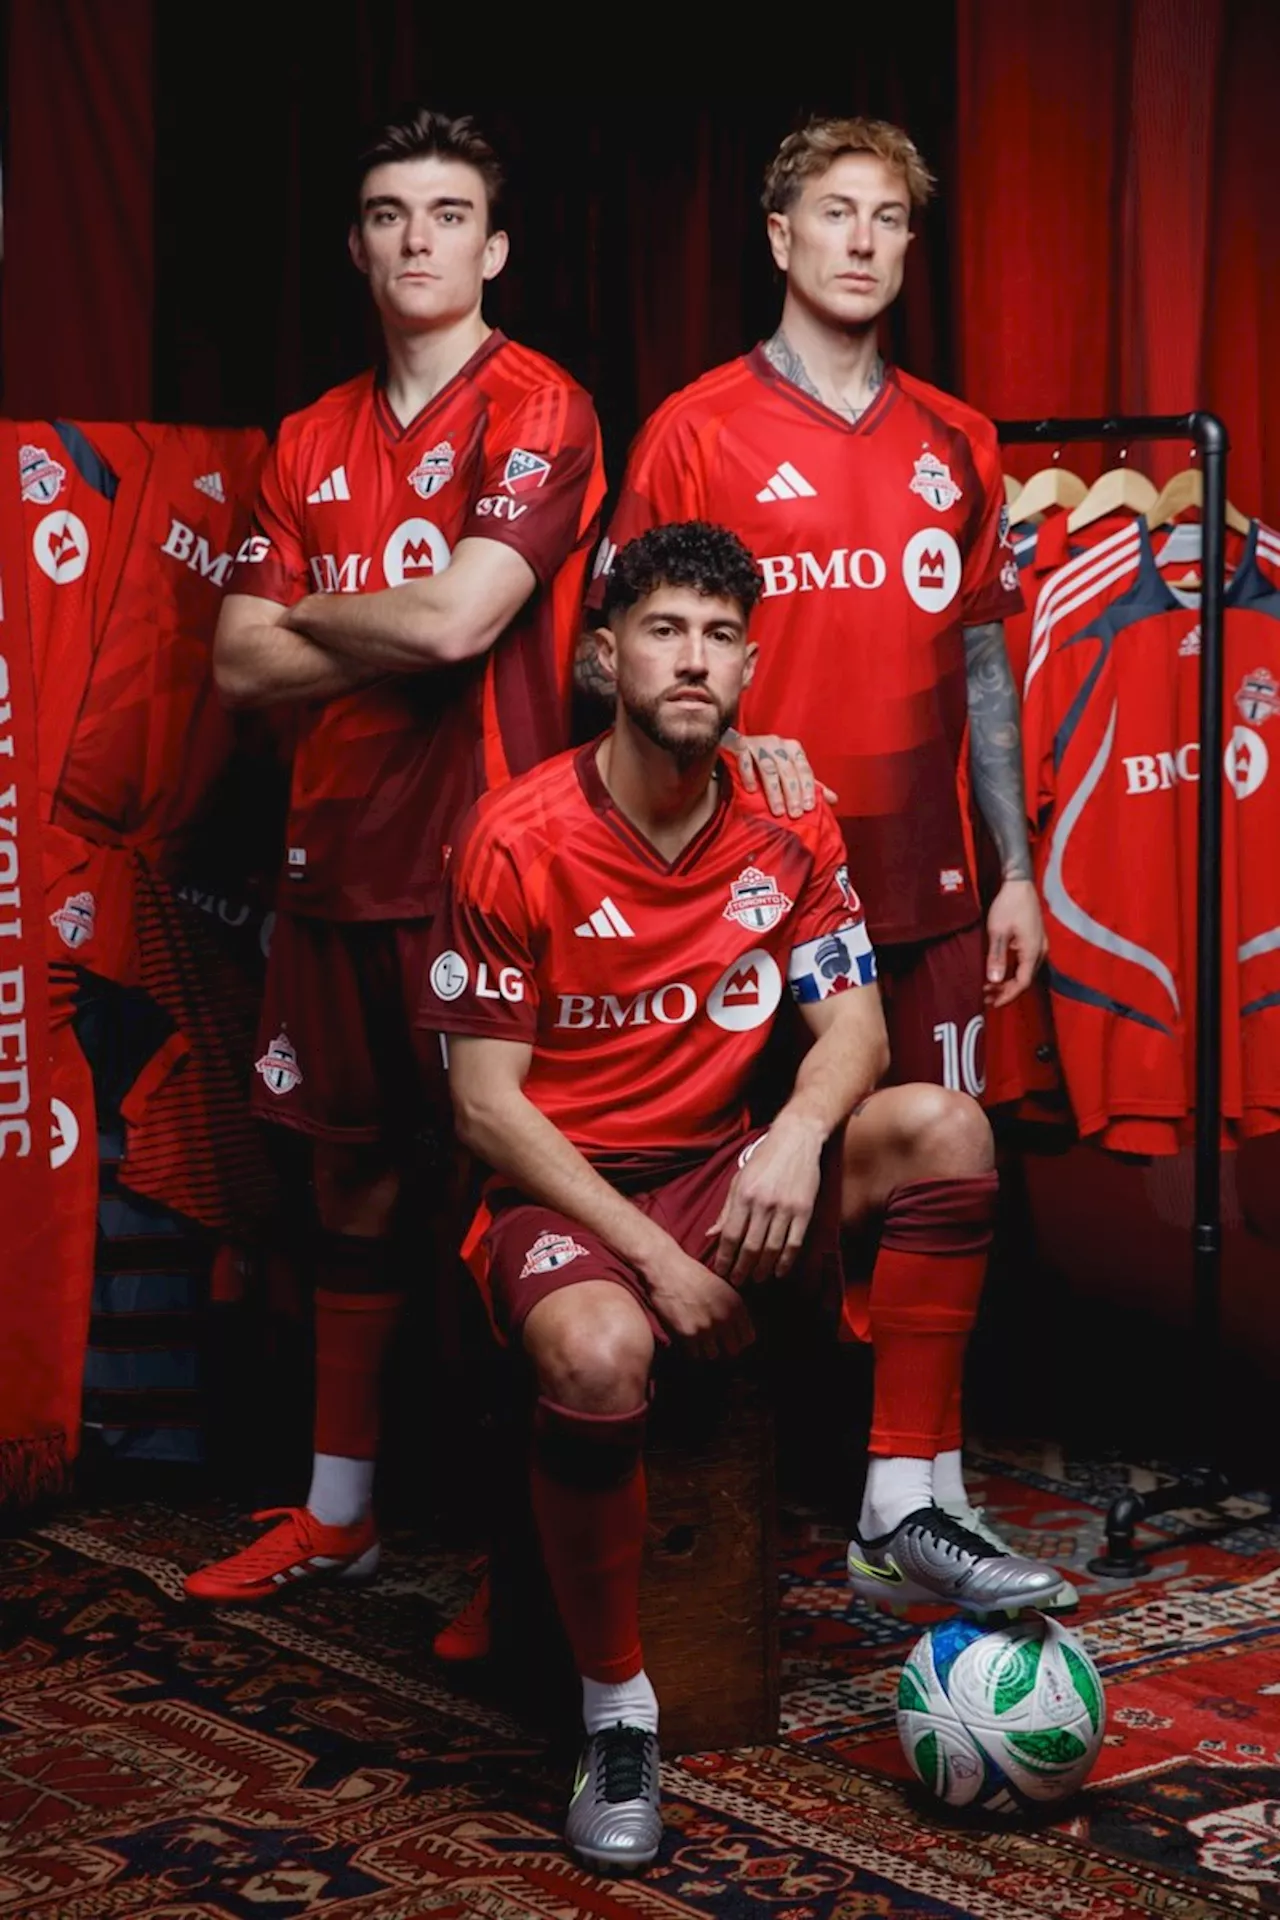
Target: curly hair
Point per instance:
(686, 553)
(419, 133)
(807, 154)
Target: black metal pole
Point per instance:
(1202, 1483)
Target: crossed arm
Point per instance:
(329, 643)
(770, 1204)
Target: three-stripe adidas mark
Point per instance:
(787, 483)
(333, 488)
(606, 923)
(211, 484)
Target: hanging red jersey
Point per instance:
(1113, 766)
(879, 541)
(646, 988)
(352, 501)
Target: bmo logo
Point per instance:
(192, 549)
(671, 1006)
(1245, 762)
(931, 568)
(842, 569)
(415, 551)
(747, 993)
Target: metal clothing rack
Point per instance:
(1203, 1484)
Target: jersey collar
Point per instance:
(387, 420)
(1244, 584)
(601, 802)
(760, 364)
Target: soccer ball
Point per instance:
(1002, 1718)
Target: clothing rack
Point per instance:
(1202, 1484)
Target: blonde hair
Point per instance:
(807, 153)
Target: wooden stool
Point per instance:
(709, 1589)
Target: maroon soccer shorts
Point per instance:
(521, 1253)
(932, 995)
(336, 1051)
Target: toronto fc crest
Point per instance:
(279, 1065)
(933, 482)
(1259, 697)
(75, 920)
(755, 902)
(433, 471)
(549, 1251)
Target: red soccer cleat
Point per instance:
(300, 1548)
(467, 1635)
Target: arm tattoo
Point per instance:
(589, 677)
(995, 746)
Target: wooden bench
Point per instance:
(709, 1597)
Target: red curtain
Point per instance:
(1118, 238)
(79, 168)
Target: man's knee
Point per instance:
(592, 1348)
(945, 1135)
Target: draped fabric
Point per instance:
(1118, 233)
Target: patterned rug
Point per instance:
(313, 1760)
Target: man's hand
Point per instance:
(1016, 942)
(783, 769)
(701, 1310)
(770, 1205)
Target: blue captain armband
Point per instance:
(832, 964)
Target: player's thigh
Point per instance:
(901, 1135)
(934, 1011)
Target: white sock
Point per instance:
(606, 1702)
(341, 1489)
(894, 1489)
(948, 1480)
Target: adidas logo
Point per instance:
(334, 488)
(787, 484)
(606, 923)
(211, 483)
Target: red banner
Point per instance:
(33, 1442)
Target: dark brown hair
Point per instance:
(419, 133)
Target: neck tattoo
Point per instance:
(780, 354)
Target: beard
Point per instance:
(687, 740)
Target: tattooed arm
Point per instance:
(1015, 930)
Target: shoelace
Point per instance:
(625, 1762)
(262, 1555)
(956, 1538)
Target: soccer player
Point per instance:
(874, 506)
(613, 945)
(410, 588)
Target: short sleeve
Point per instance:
(831, 950)
(664, 481)
(480, 977)
(270, 561)
(989, 583)
(543, 480)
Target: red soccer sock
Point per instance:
(953, 1425)
(924, 1300)
(588, 1486)
(354, 1325)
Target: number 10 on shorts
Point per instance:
(960, 1055)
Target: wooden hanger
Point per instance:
(1051, 487)
(1118, 490)
(1012, 488)
(1179, 495)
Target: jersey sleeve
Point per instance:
(665, 480)
(831, 949)
(270, 561)
(481, 977)
(989, 582)
(543, 479)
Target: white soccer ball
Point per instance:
(1002, 1718)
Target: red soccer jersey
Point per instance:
(646, 989)
(353, 502)
(879, 541)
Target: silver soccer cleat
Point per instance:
(975, 1518)
(614, 1824)
(930, 1559)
